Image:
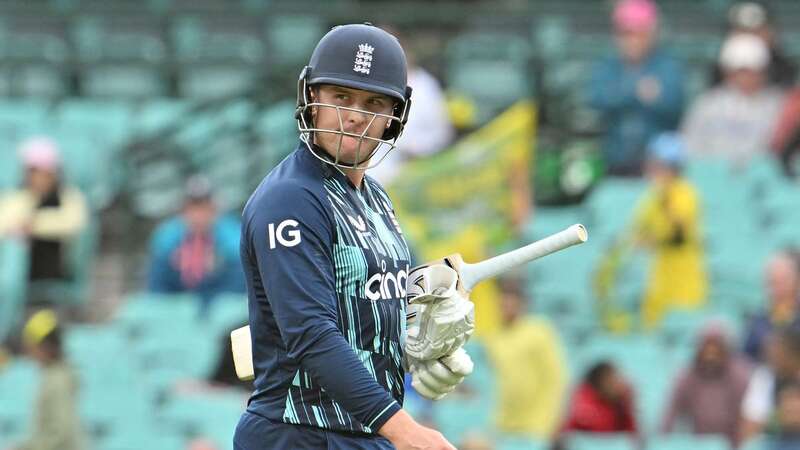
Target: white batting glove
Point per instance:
(436, 378)
(441, 319)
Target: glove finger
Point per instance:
(426, 391)
(439, 377)
(459, 363)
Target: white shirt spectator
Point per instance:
(726, 123)
(759, 400)
(427, 131)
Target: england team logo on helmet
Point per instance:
(363, 60)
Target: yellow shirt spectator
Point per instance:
(668, 222)
(527, 358)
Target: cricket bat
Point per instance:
(469, 275)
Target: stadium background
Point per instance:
(141, 94)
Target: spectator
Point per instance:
(428, 129)
(708, 394)
(783, 288)
(639, 93)
(735, 120)
(785, 140)
(45, 211)
(667, 222)
(754, 18)
(56, 424)
(788, 418)
(527, 356)
(197, 251)
(603, 403)
(783, 366)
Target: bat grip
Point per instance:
(472, 274)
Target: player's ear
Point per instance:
(313, 94)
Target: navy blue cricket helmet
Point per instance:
(357, 56)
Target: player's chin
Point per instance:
(354, 149)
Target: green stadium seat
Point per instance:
(13, 284)
(214, 81)
(227, 310)
(123, 80)
(517, 443)
(580, 441)
(212, 414)
(154, 115)
(758, 443)
(39, 80)
(551, 33)
(209, 39)
(21, 118)
(136, 38)
(689, 442)
(18, 384)
(492, 69)
(143, 311)
(291, 38)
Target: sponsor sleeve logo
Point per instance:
(286, 234)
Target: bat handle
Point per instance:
(472, 274)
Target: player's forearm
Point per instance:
(333, 364)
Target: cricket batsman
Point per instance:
(327, 267)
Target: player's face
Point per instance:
(366, 123)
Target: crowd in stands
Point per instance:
(736, 387)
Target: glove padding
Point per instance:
(436, 378)
(441, 319)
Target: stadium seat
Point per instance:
(154, 115)
(214, 81)
(492, 69)
(291, 38)
(212, 414)
(123, 80)
(689, 442)
(514, 443)
(758, 443)
(579, 441)
(18, 384)
(13, 284)
(137, 38)
(38, 80)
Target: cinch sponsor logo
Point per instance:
(386, 285)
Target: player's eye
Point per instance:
(342, 97)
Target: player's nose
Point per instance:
(355, 121)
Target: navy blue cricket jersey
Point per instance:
(326, 267)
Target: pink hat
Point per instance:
(635, 15)
(40, 153)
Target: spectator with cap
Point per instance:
(528, 359)
(56, 422)
(667, 222)
(754, 18)
(708, 394)
(639, 92)
(735, 120)
(759, 407)
(782, 278)
(198, 250)
(45, 211)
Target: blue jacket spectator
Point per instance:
(197, 251)
(783, 287)
(639, 92)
